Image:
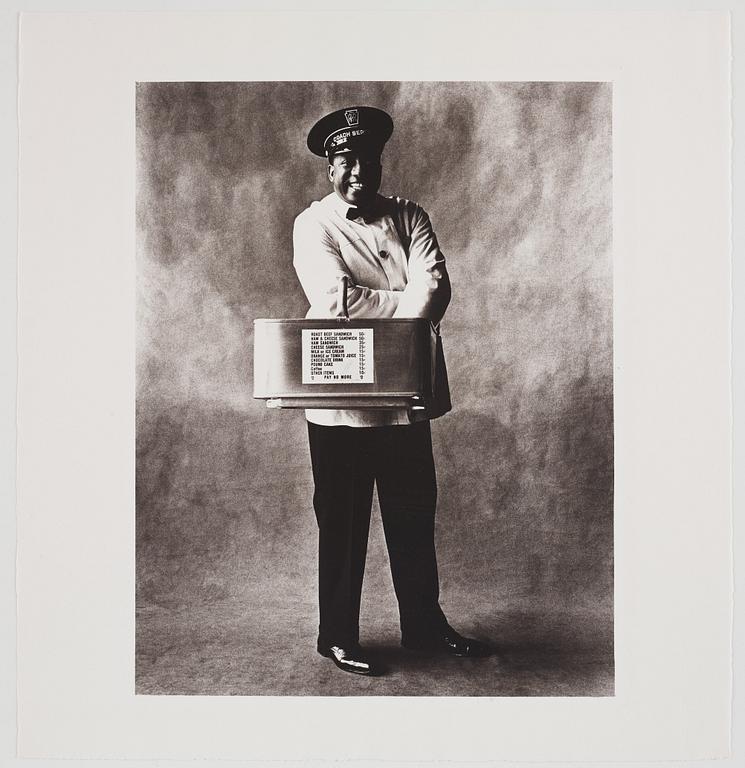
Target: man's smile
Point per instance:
(355, 175)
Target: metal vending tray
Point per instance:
(342, 363)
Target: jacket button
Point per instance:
(383, 254)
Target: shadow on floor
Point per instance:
(224, 650)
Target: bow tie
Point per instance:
(366, 216)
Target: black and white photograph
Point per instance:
(374, 389)
(375, 379)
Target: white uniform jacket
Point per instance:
(395, 268)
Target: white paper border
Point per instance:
(53, 287)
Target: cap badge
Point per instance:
(353, 117)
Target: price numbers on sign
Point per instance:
(338, 356)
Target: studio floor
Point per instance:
(225, 649)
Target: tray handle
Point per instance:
(342, 309)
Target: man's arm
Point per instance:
(319, 266)
(428, 291)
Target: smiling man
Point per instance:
(387, 249)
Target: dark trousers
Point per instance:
(347, 462)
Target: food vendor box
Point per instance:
(343, 363)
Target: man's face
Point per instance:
(356, 176)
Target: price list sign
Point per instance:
(338, 356)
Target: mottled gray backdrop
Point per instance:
(517, 180)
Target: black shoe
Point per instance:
(449, 642)
(351, 659)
